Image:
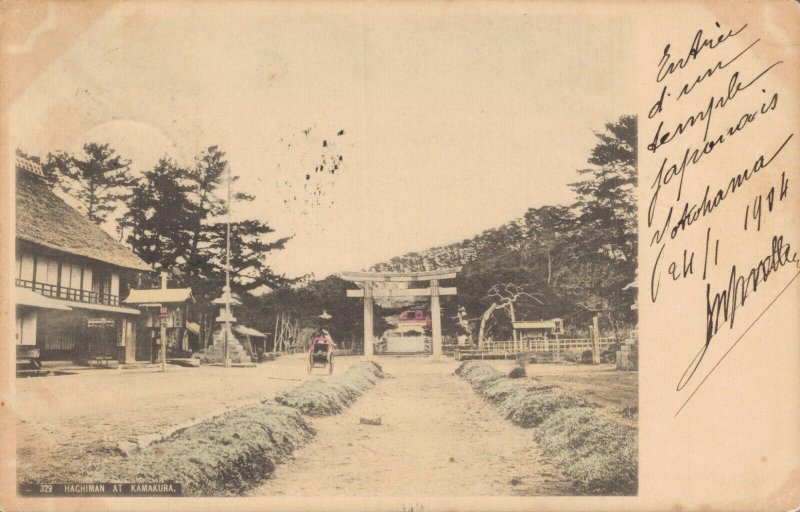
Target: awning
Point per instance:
(193, 327)
(158, 296)
(102, 307)
(97, 307)
(247, 331)
(28, 297)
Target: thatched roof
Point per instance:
(29, 165)
(45, 219)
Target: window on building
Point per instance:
(70, 281)
(26, 267)
(75, 277)
(101, 286)
(52, 272)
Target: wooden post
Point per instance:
(201, 329)
(162, 317)
(368, 329)
(436, 318)
(275, 336)
(596, 341)
(558, 347)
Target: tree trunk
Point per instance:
(485, 318)
(208, 316)
(201, 335)
(275, 336)
(512, 314)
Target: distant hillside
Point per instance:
(512, 236)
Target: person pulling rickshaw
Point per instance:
(321, 348)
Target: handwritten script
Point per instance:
(718, 156)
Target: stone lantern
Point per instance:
(215, 354)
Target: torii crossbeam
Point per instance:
(369, 292)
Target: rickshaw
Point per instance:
(318, 357)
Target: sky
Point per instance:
(448, 121)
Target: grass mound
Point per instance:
(528, 407)
(522, 401)
(479, 374)
(598, 454)
(500, 390)
(222, 456)
(331, 396)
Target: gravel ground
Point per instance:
(436, 438)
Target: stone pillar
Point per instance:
(436, 318)
(596, 339)
(368, 329)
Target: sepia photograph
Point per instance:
(266, 250)
(297, 255)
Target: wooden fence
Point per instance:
(512, 348)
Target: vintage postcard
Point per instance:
(401, 256)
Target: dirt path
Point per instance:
(68, 425)
(437, 437)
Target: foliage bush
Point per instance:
(225, 455)
(478, 374)
(571, 355)
(609, 354)
(500, 390)
(598, 454)
(517, 372)
(325, 397)
(528, 407)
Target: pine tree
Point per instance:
(607, 197)
(176, 221)
(99, 181)
(159, 217)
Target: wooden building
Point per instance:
(533, 330)
(69, 275)
(254, 341)
(176, 301)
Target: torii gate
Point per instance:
(434, 291)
